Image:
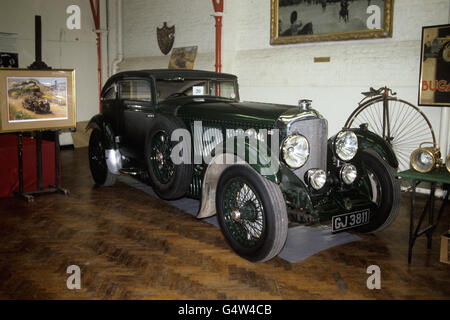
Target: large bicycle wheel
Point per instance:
(404, 126)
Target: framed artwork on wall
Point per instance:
(295, 21)
(183, 58)
(37, 99)
(434, 86)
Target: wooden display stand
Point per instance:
(29, 196)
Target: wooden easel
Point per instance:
(38, 64)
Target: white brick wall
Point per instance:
(287, 73)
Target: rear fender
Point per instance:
(99, 122)
(112, 153)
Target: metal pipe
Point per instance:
(96, 17)
(38, 38)
(119, 56)
(444, 131)
(218, 9)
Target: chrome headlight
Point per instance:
(295, 151)
(316, 178)
(346, 145)
(425, 159)
(349, 173)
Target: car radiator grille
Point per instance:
(316, 131)
(211, 135)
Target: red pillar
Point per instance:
(96, 16)
(218, 9)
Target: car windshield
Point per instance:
(179, 87)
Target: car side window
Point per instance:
(135, 89)
(110, 93)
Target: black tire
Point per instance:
(176, 183)
(267, 231)
(97, 161)
(385, 192)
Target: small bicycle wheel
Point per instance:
(404, 126)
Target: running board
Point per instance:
(130, 171)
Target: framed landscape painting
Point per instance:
(36, 99)
(294, 21)
(434, 86)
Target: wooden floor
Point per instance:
(130, 245)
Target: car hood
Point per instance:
(225, 110)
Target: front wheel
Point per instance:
(252, 213)
(383, 189)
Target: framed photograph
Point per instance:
(434, 86)
(183, 58)
(294, 21)
(36, 99)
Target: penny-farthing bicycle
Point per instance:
(401, 124)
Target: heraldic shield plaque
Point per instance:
(166, 37)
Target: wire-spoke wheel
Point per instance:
(243, 212)
(252, 213)
(169, 180)
(160, 157)
(401, 124)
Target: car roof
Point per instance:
(174, 73)
(169, 74)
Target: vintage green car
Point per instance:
(256, 165)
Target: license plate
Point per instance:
(350, 220)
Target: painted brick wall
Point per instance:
(285, 74)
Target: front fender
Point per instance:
(369, 140)
(259, 157)
(243, 153)
(98, 122)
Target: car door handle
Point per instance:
(133, 106)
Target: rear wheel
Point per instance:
(169, 180)
(97, 161)
(383, 189)
(252, 213)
